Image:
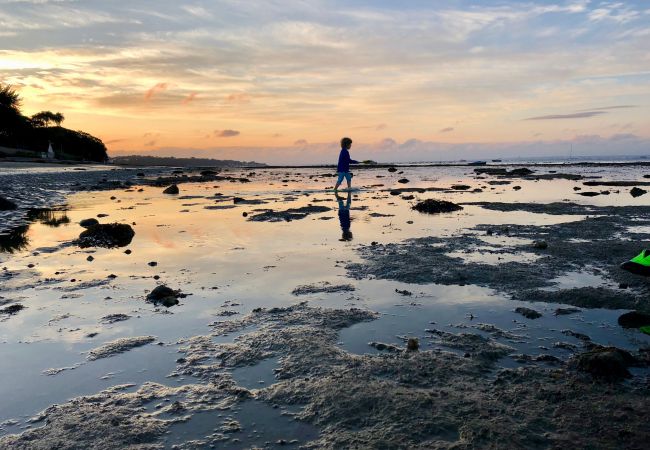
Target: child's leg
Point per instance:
(338, 182)
(348, 178)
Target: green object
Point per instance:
(639, 265)
(645, 329)
(642, 258)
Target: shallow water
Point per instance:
(231, 265)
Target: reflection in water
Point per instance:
(49, 217)
(16, 239)
(344, 216)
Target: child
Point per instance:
(343, 167)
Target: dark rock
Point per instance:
(522, 172)
(106, 235)
(408, 197)
(403, 180)
(127, 251)
(152, 263)
(89, 222)
(12, 309)
(528, 313)
(412, 344)
(7, 205)
(609, 363)
(637, 192)
(623, 286)
(431, 206)
(404, 292)
(164, 295)
(566, 311)
(540, 245)
(589, 194)
(516, 188)
(90, 258)
(460, 187)
(634, 319)
(392, 169)
(173, 189)
(244, 214)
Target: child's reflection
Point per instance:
(344, 216)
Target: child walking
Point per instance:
(343, 167)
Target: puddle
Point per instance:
(251, 424)
(493, 257)
(572, 280)
(258, 376)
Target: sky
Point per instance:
(282, 81)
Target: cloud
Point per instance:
(578, 115)
(190, 98)
(300, 142)
(159, 87)
(605, 108)
(447, 130)
(226, 133)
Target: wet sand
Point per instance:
(293, 310)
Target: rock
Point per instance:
(7, 205)
(127, 251)
(413, 344)
(403, 180)
(565, 311)
(90, 258)
(522, 172)
(634, 319)
(408, 197)
(12, 309)
(637, 192)
(589, 194)
(460, 187)
(623, 286)
(86, 223)
(528, 313)
(609, 363)
(404, 292)
(392, 169)
(172, 190)
(164, 295)
(106, 235)
(540, 245)
(431, 206)
(152, 263)
(244, 214)
(516, 188)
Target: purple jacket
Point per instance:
(344, 161)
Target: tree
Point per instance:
(9, 99)
(43, 118)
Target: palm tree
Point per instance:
(9, 98)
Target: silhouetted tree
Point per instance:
(43, 118)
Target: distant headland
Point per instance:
(170, 161)
(41, 136)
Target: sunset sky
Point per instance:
(283, 81)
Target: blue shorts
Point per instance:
(346, 175)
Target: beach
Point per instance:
(293, 316)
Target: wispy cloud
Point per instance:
(578, 115)
(159, 87)
(447, 130)
(226, 133)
